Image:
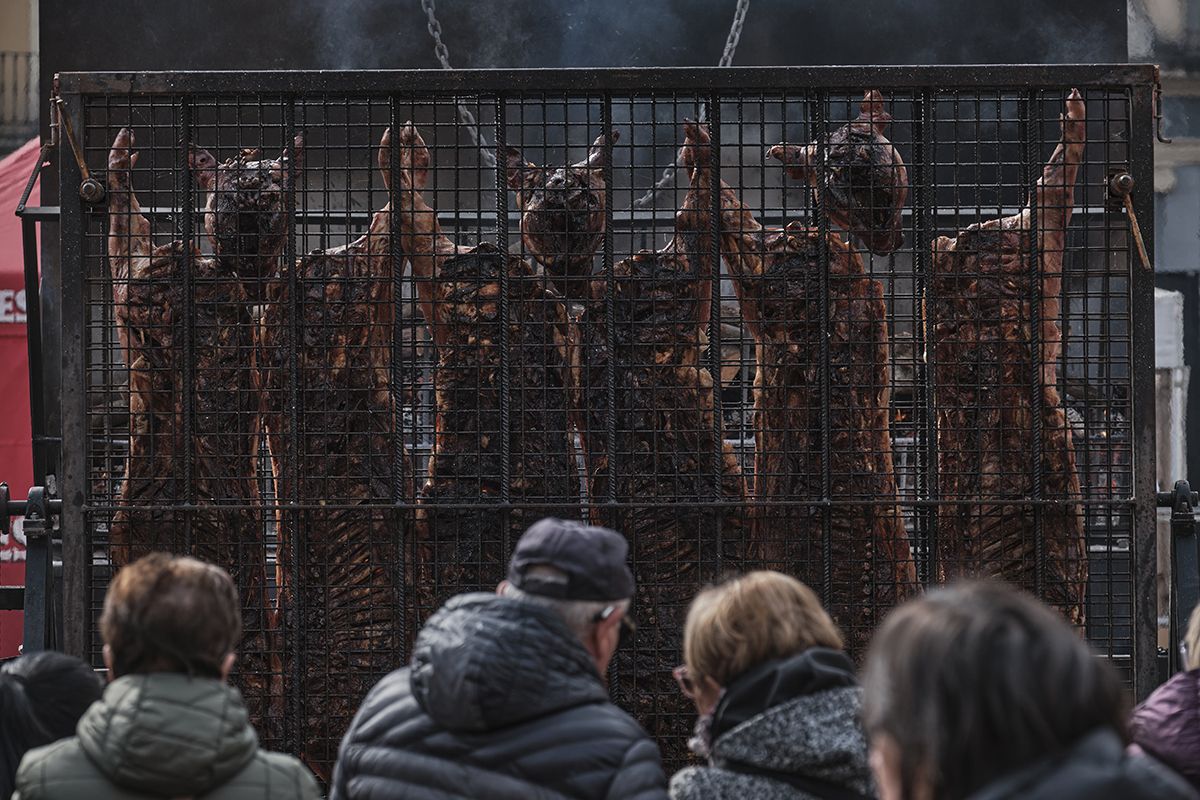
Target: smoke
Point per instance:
(933, 32)
(365, 34)
(375, 34)
(623, 33)
(346, 33)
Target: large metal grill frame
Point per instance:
(997, 123)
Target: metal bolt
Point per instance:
(1121, 184)
(92, 191)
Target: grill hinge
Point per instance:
(1185, 564)
(37, 598)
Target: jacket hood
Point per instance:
(798, 715)
(167, 734)
(484, 662)
(779, 680)
(1096, 768)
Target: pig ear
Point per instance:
(383, 158)
(871, 110)
(203, 166)
(697, 145)
(521, 173)
(797, 160)
(596, 154)
(414, 158)
(293, 156)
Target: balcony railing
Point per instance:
(18, 97)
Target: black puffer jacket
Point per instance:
(1096, 768)
(501, 701)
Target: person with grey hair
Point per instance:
(505, 696)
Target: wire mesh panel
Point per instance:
(883, 331)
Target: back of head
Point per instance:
(578, 615)
(42, 697)
(977, 680)
(757, 617)
(167, 613)
(575, 569)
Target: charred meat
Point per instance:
(339, 567)
(991, 354)
(685, 526)
(464, 541)
(226, 527)
(777, 277)
(245, 215)
(864, 176)
(562, 214)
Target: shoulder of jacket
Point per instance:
(63, 749)
(640, 774)
(1156, 779)
(61, 769)
(613, 715)
(593, 722)
(271, 775)
(391, 689)
(713, 783)
(692, 783)
(388, 705)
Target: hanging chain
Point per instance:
(464, 114)
(485, 151)
(735, 33)
(731, 43)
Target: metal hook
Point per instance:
(1158, 113)
(90, 189)
(1121, 185)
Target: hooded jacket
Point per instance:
(163, 735)
(786, 730)
(1096, 768)
(1167, 725)
(501, 701)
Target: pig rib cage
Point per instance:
(888, 329)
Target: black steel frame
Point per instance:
(1136, 81)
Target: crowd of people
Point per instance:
(974, 691)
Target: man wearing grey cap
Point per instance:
(505, 694)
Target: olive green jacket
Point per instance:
(162, 735)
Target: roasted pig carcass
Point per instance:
(777, 278)
(562, 215)
(326, 356)
(680, 485)
(997, 342)
(245, 215)
(149, 305)
(464, 537)
(864, 177)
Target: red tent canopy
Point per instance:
(16, 453)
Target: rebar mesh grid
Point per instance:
(322, 344)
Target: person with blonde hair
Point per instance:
(1167, 725)
(778, 699)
